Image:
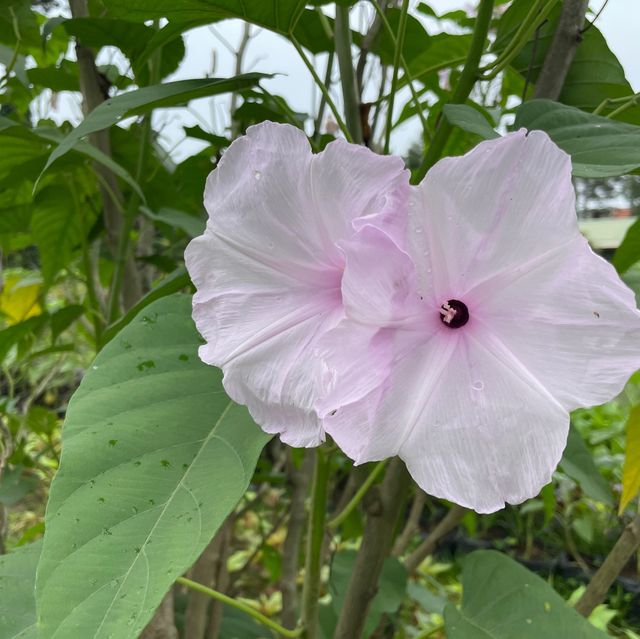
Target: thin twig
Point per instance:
(444, 527)
(239, 605)
(613, 565)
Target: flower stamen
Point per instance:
(454, 314)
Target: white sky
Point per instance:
(270, 53)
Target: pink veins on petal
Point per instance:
(268, 267)
(467, 342)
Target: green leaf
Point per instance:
(280, 16)
(154, 458)
(599, 147)
(470, 120)
(14, 486)
(503, 600)
(62, 78)
(132, 38)
(190, 224)
(577, 462)
(146, 99)
(173, 283)
(28, 147)
(17, 333)
(56, 229)
(416, 39)
(594, 74)
(628, 253)
(17, 604)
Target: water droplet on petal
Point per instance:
(257, 175)
(477, 385)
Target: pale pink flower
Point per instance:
(464, 353)
(268, 267)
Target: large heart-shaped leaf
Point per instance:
(504, 600)
(154, 457)
(598, 146)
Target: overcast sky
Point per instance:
(270, 53)
(267, 52)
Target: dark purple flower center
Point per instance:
(454, 314)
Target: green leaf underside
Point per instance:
(17, 604)
(154, 457)
(504, 600)
(146, 99)
(470, 120)
(599, 147)
(280, 16)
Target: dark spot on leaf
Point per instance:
(165, 462)
(113, 442)
(101, 500)
(137, 463)
(143, 366)
(183, 357)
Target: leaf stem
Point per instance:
(342, 39)
(405, 68)
(322, 87)
(465, 84)
(520, 39)
(357, 498)
(397, 56)
(315, 538)
(239, 605)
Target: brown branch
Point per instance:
(563, 47)
(300, 479)
(205, 571)
(383, 507)
(162, 625)
(368, 42)
(613, 565)
(413, 521)
(444, 527)
(94, 92)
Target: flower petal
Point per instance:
(268, 267)
(379, 285)
(488, 434)
(501, 204)
(470, 422)
(279, 380)
(570, 320)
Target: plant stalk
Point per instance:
(465, 84)
(342, 39)
(315, 537)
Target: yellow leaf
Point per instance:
(631, 470)
(19, 299)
